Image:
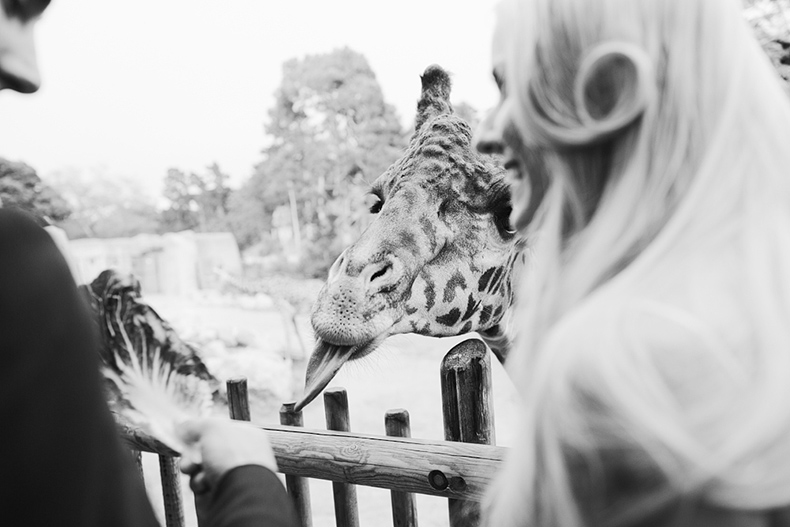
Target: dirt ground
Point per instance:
(404, 373)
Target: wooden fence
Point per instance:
(458, 468)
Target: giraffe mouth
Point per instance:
(325, 361)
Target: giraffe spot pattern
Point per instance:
(408, 240)
(471, 307)
(407, 295)
(441, 164)
(467, 328)
(482, 284)
(425, 329)
(429, 230)
(496, 280)
(485, 314)
(430, 294)
(455, 281)
(441, 161)
(450, 318)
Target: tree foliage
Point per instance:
(330, 134)
(103, 205)
(22, 188)
(196, 201)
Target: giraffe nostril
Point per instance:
(381, 272)
(337, 268)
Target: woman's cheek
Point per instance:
(520, 193)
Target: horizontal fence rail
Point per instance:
(436, 468)
(459, 468)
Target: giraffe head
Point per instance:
(436, 260)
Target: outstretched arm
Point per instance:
(232, 469)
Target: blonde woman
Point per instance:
(649, 147)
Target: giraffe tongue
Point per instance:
(324, 364)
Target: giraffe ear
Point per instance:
(435, 96)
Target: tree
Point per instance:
(330, 134)
(181, 214)
(104, 205)
(22, 188)
(196, 201)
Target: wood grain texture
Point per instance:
(344, 494)
(137, 440)
(467, 396)
(386, 462)
(467, 410)
(378, 461)
(238, 399)
(298, 488)
(404, 506)
(171, 491)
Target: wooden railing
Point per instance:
(458, 468)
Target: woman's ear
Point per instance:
(613, 87)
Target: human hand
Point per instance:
(219, 445)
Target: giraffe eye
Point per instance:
(374, 203)
(502, 221)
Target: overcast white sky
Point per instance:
(133, 87)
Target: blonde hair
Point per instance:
(653, 352)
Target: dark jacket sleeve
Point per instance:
(249, 496)
(61, 459)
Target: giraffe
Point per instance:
(437, 259)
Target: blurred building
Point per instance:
(175, 263)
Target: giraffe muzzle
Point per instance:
(352, 307)
(371, 278)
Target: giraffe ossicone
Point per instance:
(438, 258)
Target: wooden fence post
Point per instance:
(239, 408)
(137, 455)
(238, 399)
(467, 410)
(297, 487)
(404, 507)
(171, 491)
(345, 494)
